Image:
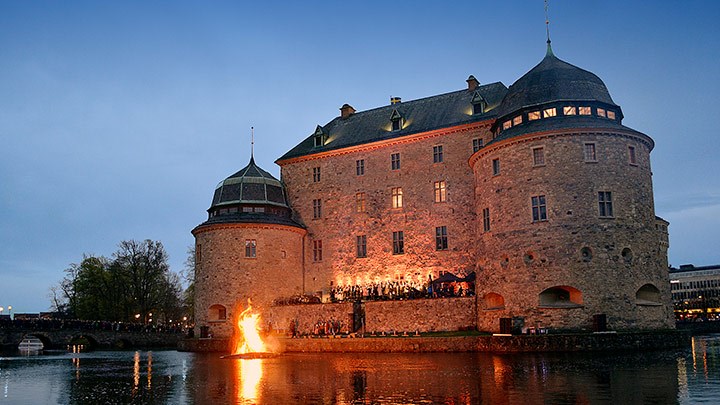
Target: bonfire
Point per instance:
(247, 341)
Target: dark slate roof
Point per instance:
(250, 185)
(553, 80)
(426, 114)
(250, 218)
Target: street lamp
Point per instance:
(10, 311)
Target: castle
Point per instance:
(535, 198)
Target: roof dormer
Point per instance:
(397, 120)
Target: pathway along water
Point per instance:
(167, 377)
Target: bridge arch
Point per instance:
(45, 339)
(87, 340)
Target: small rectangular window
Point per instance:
(395, 161)
(360, 202)
(549, 112)
(539, 209)
(585, 111)
(317, 140)
(360, 167)
(611, 114)
(589, 152)
(517, 120)
(538, 156)
(631, 155)
(437, 154)
(441, 238)
(605, 204)
(250, 248)
(397, 124)
(478, 108)
(507, 124)
(361, 246)
(533, 115)
(601, 112)
(317, 208)
(440, 192)
(398, 243)
(317, 250)
(397, 197)
(477, 144)
(496, 167)
(569, 110)
(486, 219)
(316, 174)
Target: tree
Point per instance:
(188, 275)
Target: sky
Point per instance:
(118, 119)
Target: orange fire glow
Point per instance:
(247, 333)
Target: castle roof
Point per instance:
(250, 185)
(417, 116)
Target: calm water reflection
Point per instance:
(688, 376)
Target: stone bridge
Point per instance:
(95, 339)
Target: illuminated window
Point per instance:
(440, 193)
(316, 174)
(317, 208)
(395, 161)
(441, 238)
(569, 110)
(317, 250)
(601, 112)
(437, 154)
(585, 111)
(360, 167)
(250, 248)
(507, 124)
(477, 144)
(631, 155)
(486, 219)
(517, 120)
(538, 156)
(398, 243)
(539, 209)
(549, 112)
(611, 114)
(397, 197)
(360, 202)
(589, 152)
(533, 115)
(605, 204)
(496, 167)
(361, 246)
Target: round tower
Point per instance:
(248, 248)
(568, 236)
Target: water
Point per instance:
(690, 376)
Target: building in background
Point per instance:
(696, 292)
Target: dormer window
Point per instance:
(549, 112)
(397, 120)
(517, 120)
(319, 137)
(533, 115)
(479, 104)
(601, 112)
(569, 110)
(611, 114)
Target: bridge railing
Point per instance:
(82, 325)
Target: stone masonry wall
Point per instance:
(306, 316)
(424, 315)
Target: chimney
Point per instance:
(395, 100)
(472, 82)
(346, 110)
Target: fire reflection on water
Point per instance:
(249, 372)
(137, 374)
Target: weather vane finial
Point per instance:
(252, 142)
(547, 22)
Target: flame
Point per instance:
(247, 337)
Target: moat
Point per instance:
(687, 376)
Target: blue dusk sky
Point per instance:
(118, 119)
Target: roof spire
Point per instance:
(252, 144)
(547, 31)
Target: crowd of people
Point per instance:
(397, 290)
(45, 324)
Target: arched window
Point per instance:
(217, 312)
(561, 297)
(648, 295)
(493, 301)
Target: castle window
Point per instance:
(533, 115)
(605, 204)
(441, 238)
(250, 248)
(539, 209)
(397, 120)
(538, 154)
(317, 250)
(317, 208)
(318, 137)
(398, 243)
(569, 110)
(477, 144)
(560, 297)
(493, 301)
(478, 102)
(437, 154)
(549, 112)
(648, 295)
(361, 245)
(486, 219)
(360, 167)
(395, 161)
(316, 174)
(440, 191)
(601, 112)
(217, 312)
(360, 202)
(589, 152)
(632, 158)
(611, 114)
(517, 120)
(397, 197)
(585, 111)
(496, 167)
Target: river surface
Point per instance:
(690, 376)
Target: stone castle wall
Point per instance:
(424, 315)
